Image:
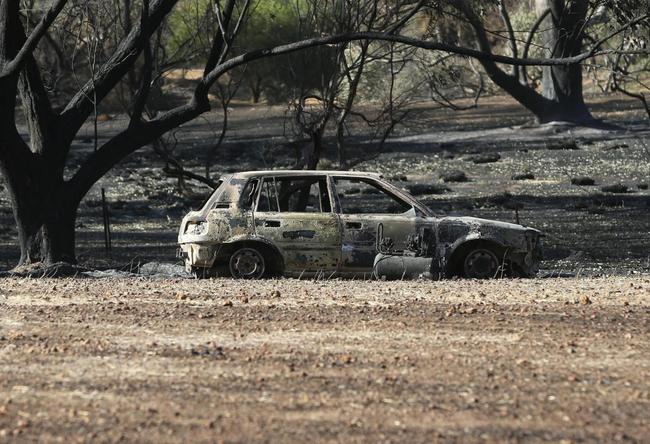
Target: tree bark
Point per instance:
(255, 85)
(311, 151)
(43, 208)
(47, 234)
(563, 36)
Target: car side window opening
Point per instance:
(248, 194)
(294, 194)
(360, 196)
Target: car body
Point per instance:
(300, 223)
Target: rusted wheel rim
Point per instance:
(481, 264)
(247, 263)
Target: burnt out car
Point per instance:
(334, 223)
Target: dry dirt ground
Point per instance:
(145, 360)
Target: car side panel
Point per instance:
(359, 237)
(308, 241)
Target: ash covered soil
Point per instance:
(160, 360)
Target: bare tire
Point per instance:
(247, 263)
(481, 263)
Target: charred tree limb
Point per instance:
(397, 26)
(179, 172)
(36, 105)
(142, 94)
(81, 105)
(484, 54)
(221, 42)
(129, 141)
(511, 35)
(522, 93)
(17, 63)
(529, 40)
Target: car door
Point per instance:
(295, 214)
(363, 204)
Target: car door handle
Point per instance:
(271, 223)
(353, 225)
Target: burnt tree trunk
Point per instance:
(563, 36)
(44, 208)
(317, 148)
(310, 152)
(256, 87)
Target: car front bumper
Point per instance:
(197, 255)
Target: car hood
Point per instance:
(478, 222)
(464, 225)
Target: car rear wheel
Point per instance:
(481, 263)
(247, 263)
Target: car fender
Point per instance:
(474, 236)
(254, 238)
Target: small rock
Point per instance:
(485, 158)
(615, 147)
(454, 176)
(227, 304)
(523, 176)
(418, 189)
(582, 181)
(181, 296)
(584, 300)
(616, 188)
(562, 145)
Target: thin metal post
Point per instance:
(107, 223)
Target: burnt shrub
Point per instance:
(562, 145)
(454, 176)
(523, 176)
(485, 158)
(616, 188)
(582, 181)
(418, 189)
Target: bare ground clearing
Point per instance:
(103, 360)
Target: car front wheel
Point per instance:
(481, 263)
(247, 263)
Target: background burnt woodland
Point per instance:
(457, 102)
